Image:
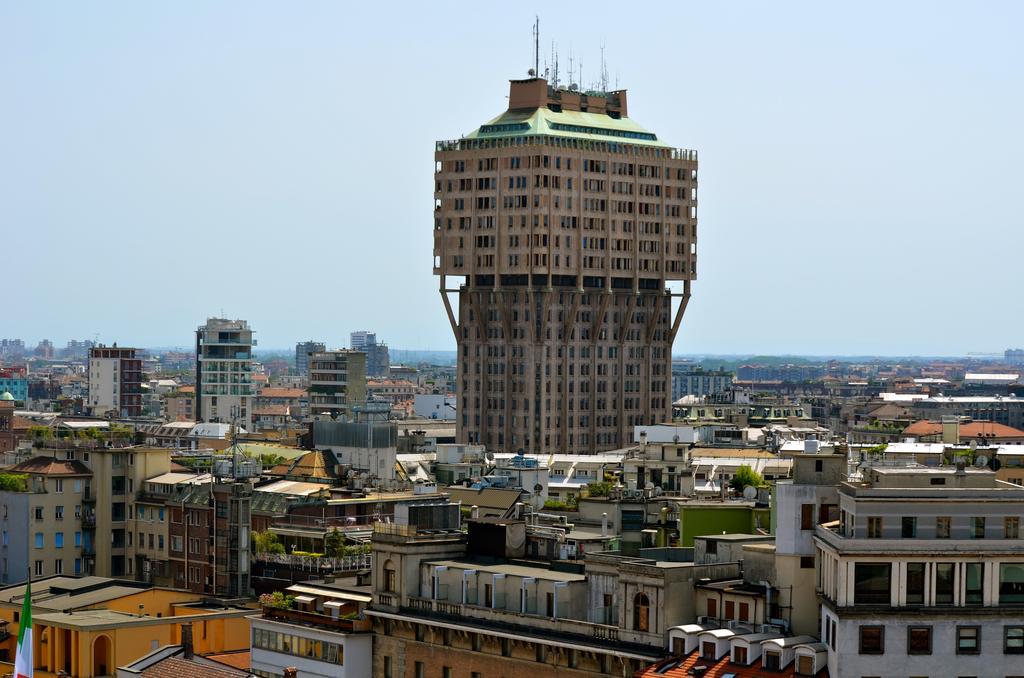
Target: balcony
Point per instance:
(317, 620)
(829, 534)
(571, 627)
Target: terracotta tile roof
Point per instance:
(176, 667)
(187, 389)
(969, 430)
(280, 392)
(51, 466)
(238, 660)
(21, 424)
(681, 667)
(272, 411)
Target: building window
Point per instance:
(944, 583)
(446, 672)
(978, 528)
(872, 640)
(807, 516)
(909, 530)
(974, 574)
(641, 612)
(872, 583)
(58, 566)
(1011, 527)
(39, 540)
(1013, 640)
(874, 527)
(915, 583)
(968, 639)
(1011, 583)
(58, 540)
(943, 527)
(390, 578)
(807, 562)
(919, 640)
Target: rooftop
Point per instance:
(525, 571)
(51, 466)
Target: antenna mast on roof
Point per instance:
(536, 45)
(604, 71)
(554, 65)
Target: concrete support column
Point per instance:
(899, 580)
(958, 584)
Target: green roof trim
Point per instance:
(568, 124)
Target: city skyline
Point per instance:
(843, 167)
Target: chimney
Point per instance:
(604, 524)
(474, 511)
(291, 672)
(951, 430)
(186, 639)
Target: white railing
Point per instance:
(313, 563)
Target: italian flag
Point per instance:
(23, 658)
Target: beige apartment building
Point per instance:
(337, 382)
(42, 526)
(114, 518)
(558, 227)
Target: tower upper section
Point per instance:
(564, 189)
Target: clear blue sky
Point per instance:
(159, 163)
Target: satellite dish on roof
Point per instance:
(981, 461)
(750, 492)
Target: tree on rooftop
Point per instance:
(13, 482)
(267, 542)
(745, 475)
(334, 543)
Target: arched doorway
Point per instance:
(102, 657)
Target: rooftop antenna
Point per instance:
(536, 45)
(554, 65)
(604, 71)
(571, 71)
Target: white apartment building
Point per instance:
(923, 575)
(224, 367)
(318, 636)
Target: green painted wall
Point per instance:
(699, 521)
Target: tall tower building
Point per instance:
(224, 370)
(115, 381)
(302, 351)
(564, 222)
